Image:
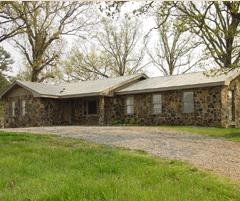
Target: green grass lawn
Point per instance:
(48, 168)
(228, 133)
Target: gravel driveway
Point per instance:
(218, 155)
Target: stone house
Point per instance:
(189, 99)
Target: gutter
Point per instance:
(80, 95)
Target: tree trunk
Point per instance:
(34, 76)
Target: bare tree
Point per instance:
(121, 43)
(6, 19)
(83, 64)
(46, 24)
(174, 48)
(217, 24)
(117, 52)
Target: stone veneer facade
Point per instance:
(47, 112)
(211, 108)
(207, 108)
(234, 85)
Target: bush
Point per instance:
(118, 122)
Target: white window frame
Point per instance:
(156, 104)
(13, 108)
(23, 107)
(129, 103)
(188, 104)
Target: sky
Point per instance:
(147, 24)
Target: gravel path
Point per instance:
(218, 155)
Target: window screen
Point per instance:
(157, 104)
(130, 105)
(188, 103)
(92, 107)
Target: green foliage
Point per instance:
(131, 121)
(118, 122)
(4, 83)
(228, 133)
(41, 41)
(116, 52)
(25, 74)
(80, 65)
(219, 32)
(36, 167)
(5, 60)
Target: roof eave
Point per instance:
(230, 79)
(46, 96)
(7, 89)
(222, 83)
(16, 82)
(80, 95)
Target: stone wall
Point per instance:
(225, 108)
(207, 109)
(1, 114)
(237, 102)
(35, 118)
(211, 108)
(39, 112)
(47, 112)
(235, 85)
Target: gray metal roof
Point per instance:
(184, 81)
(125, 85)
(101, 86)
(40, 88)
(78, 89)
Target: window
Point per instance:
(90, 107)
(129, 105)
(157, 104)
(231, 105)
(23, 107)
(188, 103)
(13, 108)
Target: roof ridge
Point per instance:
(223, 72)
(109, 78)
(40, 83)
(179, 74)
